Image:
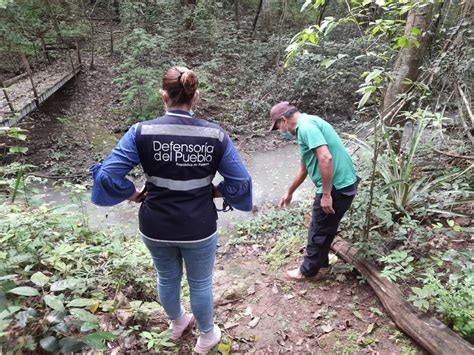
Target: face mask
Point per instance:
(286, 135)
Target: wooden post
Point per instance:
(45, 52)
(30, 76)
(78, 52)
(70, 58)
(7, 98)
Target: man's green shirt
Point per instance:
(313, 132)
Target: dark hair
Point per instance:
(180, 83)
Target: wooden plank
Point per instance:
(9, 82)
(30, 74)
(10, 105)
(425, 329)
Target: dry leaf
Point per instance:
(230, 325)
(327, 328)
(253, 323)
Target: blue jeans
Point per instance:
(199, 261)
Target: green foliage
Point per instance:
(450, 294)
(273, 221)
(285, 246)
(379, 37)
(139, 83)
(12, 175)
(157, 341)
(25, 25)
(410, 192)
(58, 272)
(279, 232)
(398, 265)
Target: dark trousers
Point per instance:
(322, 231)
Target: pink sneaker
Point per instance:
(207, 341)
(178, 326)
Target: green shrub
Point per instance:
(57, 273)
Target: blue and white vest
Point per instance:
(180, 155)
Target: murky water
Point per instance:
(271, 172)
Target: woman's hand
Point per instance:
(138, 196)
(215, 192)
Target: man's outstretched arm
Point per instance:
(300, 176)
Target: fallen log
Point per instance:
(428, 331)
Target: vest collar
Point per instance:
(179, 113)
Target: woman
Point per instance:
(180, 155)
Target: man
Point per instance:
(330, 167)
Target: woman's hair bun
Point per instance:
(189, 81)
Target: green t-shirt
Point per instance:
(313, 132)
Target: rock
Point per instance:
(124, 316)
(327, 328)
(248, 311)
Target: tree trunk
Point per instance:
(409, 59)
(111, 27)
(322, 9)
(254, 26)
(267, 15)
(428, 331)
(237, 13)
(92, 28)
(58, 32)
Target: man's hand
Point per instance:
(326, 204)
(285, 201)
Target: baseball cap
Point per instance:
(279, 110)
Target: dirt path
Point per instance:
(261, 311)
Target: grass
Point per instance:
(280, 233)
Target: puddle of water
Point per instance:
(272, 173)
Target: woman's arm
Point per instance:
(110, 183)
(237, 185)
